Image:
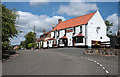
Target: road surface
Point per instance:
(61, 61)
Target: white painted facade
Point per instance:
(94, 30)
(94, 22)
(91, 33)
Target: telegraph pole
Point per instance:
(34, 29)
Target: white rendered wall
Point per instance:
(52, 34)
(94, 22)
(77, 30)
(50, 43)
(44, 44)
(69, 36)
(62, 32)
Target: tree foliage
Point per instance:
(22, 43)
(108, 24)
(30, 37)
(30, 45)
(8, 24)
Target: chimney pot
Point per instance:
(60, 20)
(53, 26)
(44, 31)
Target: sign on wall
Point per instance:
(69, 30)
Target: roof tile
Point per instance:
(81, 20)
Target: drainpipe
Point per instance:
(86, 34)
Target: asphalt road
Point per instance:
(61, 61)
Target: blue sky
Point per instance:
(43, 15)
(105, 8)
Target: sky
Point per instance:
(45, 14)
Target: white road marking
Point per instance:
(103, 67)
(106, 71)
(88, 59)
(98, 63)
(91, 60)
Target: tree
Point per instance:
(108, 24)
(30, 37)
(30, 45)
(22, 44)
(8, 25)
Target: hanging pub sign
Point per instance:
(69, 30)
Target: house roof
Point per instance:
(64, 37)
(47, 32)
(40, 39)
(81, 20)
(43, 38)
(79, 35)
(50, 39)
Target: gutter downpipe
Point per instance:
(86, 35)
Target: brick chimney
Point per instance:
(60, 20)
(44, 31)
(53, 26)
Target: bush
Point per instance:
(31, 45)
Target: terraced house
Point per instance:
(80, 31)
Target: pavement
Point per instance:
(60, 61)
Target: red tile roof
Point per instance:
(42, 39)
(64, 37)
(50, 39)
(81, 20)
(79, 35)
(47, 32)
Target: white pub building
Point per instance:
(79, 31)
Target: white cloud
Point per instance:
(77, 8)
(38, 2)
(113, 19)
(27, 21)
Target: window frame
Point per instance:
(79, 39)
